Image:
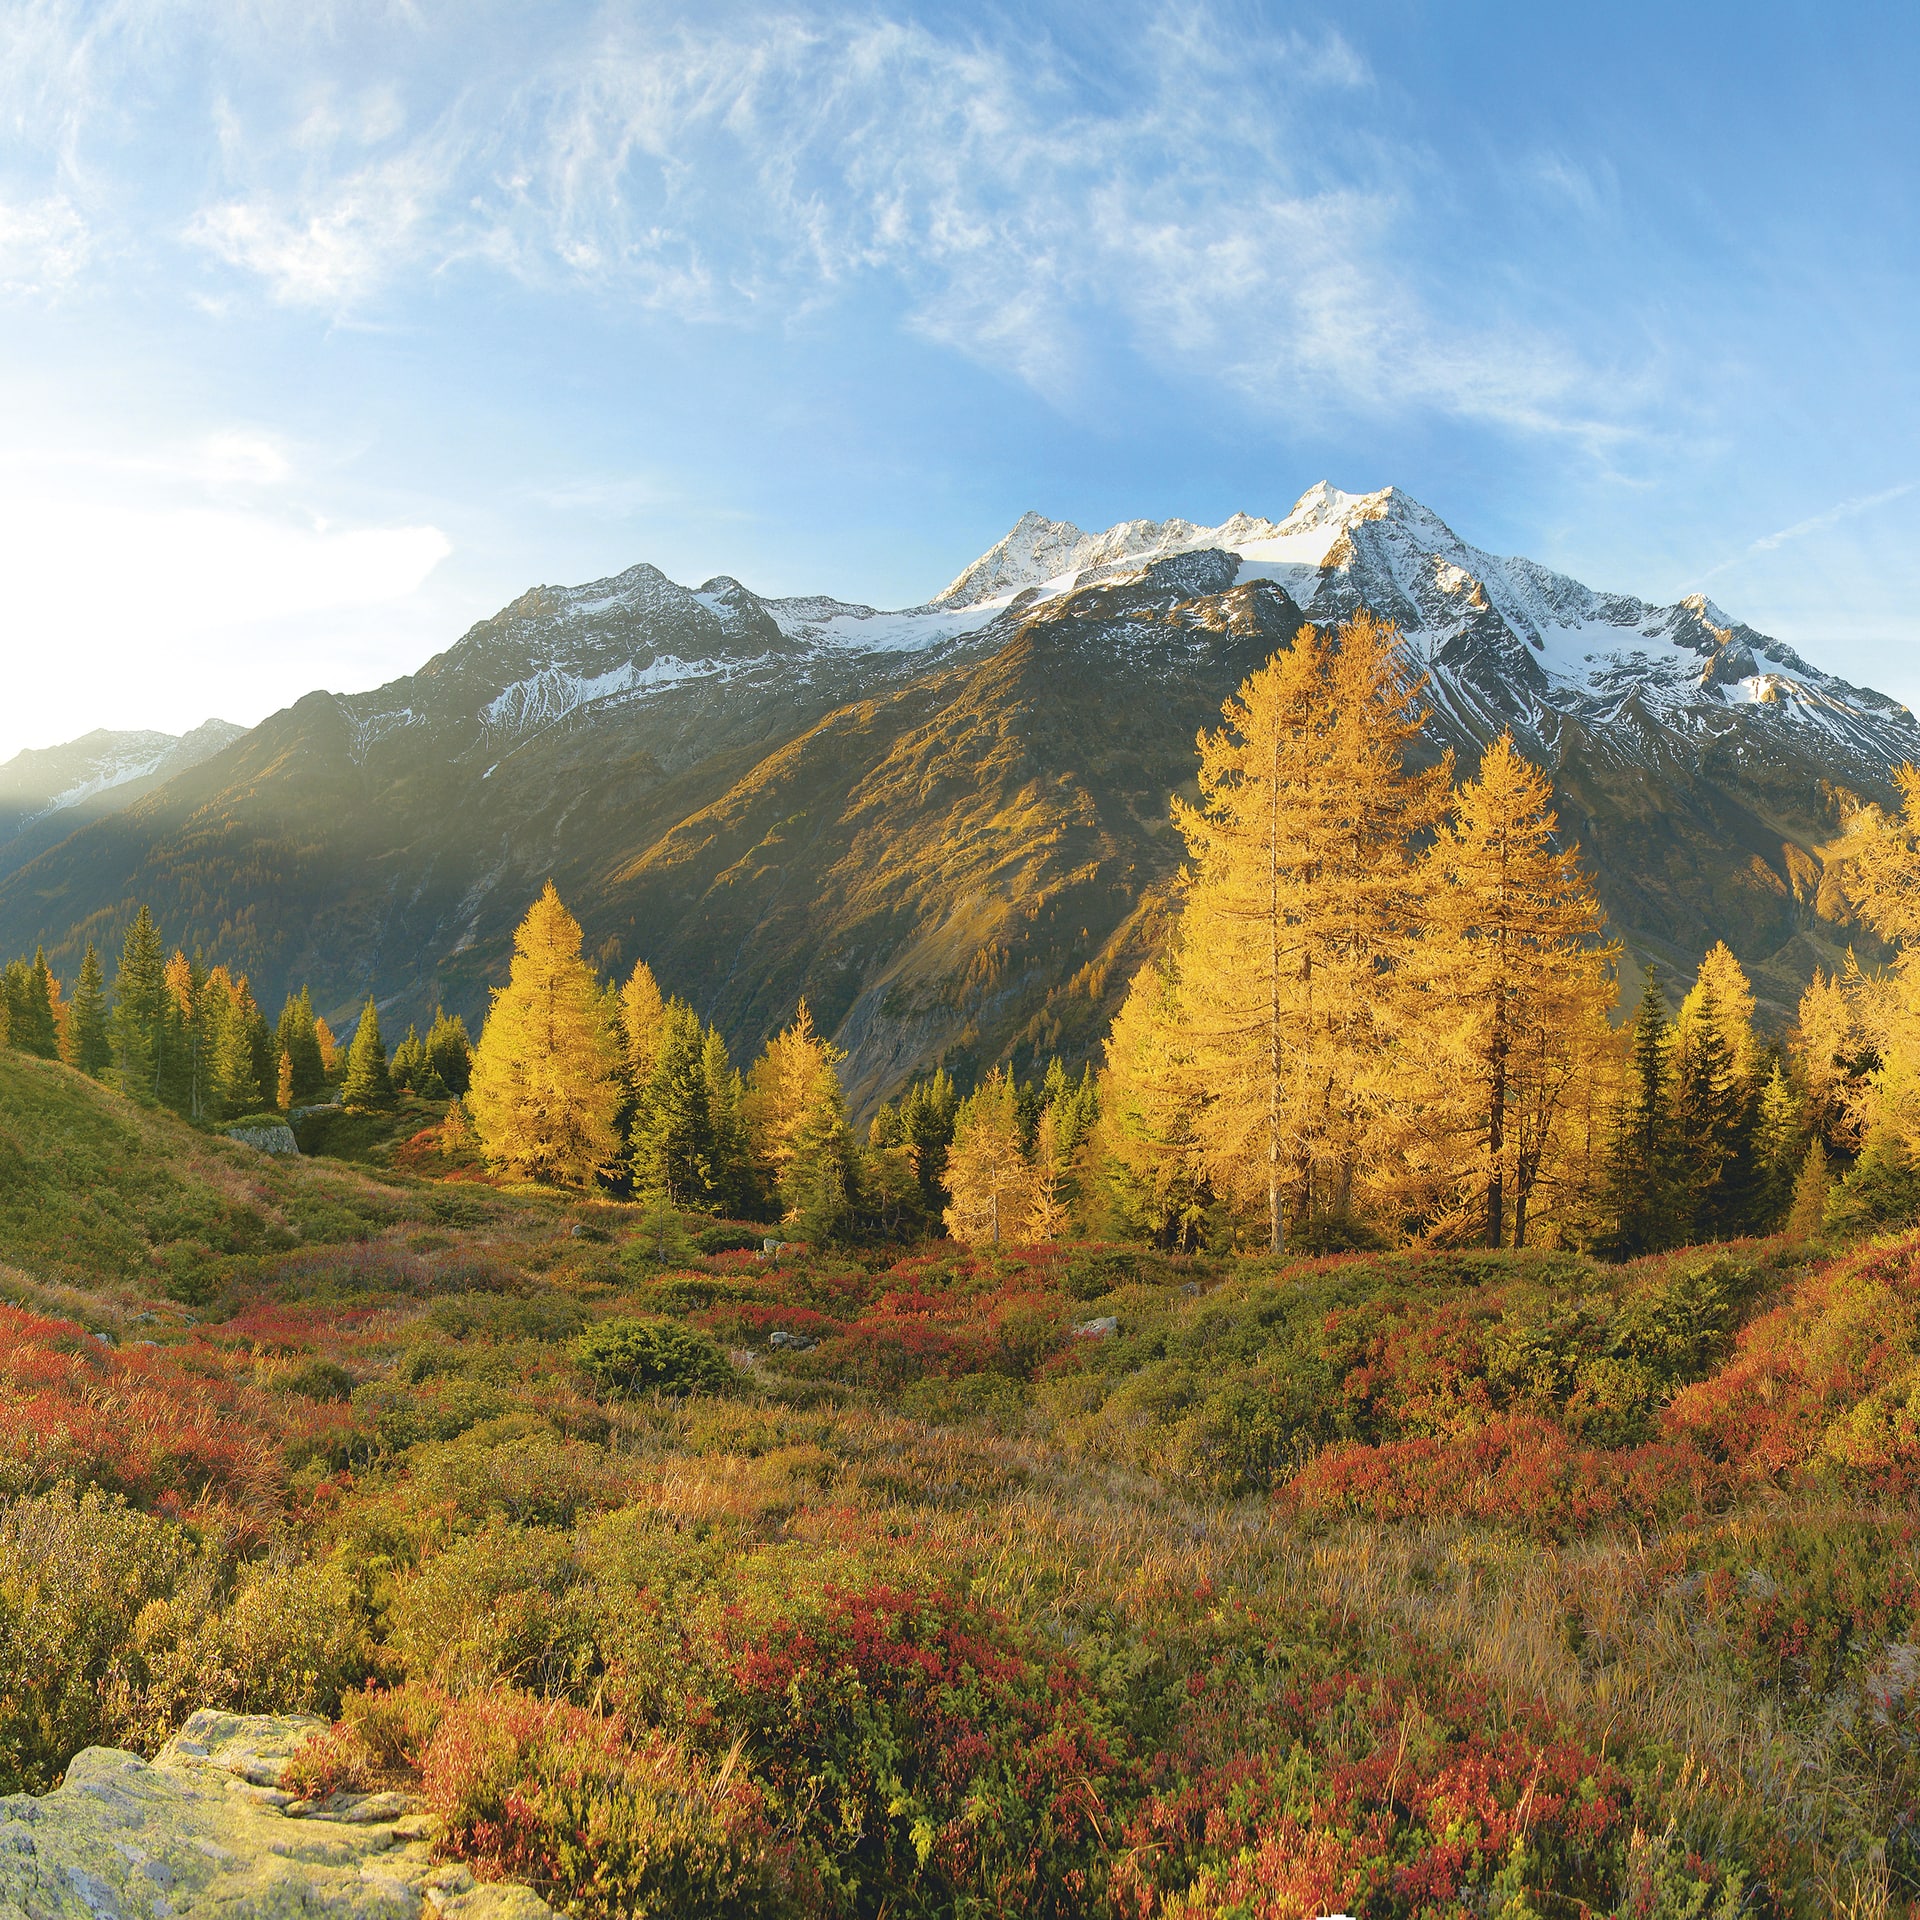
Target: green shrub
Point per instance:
(629, 1356)
(292, 1639)
(78, 1572)
(1680, 1323)
(722, 1238)
(499, 1605)
(1099, 1271)
(318, 1380)
(545, 1792)
(544, 1316)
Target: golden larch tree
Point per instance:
(1516, 981)
(1882, 852)
(1825, 1041)
(794, 1073)
(544, 1095)
(1722, 984)
(1051, 1170)
(1298, 906)
(643, 1016)
(988, 1179)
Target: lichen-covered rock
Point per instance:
(204, 1829)
(274, 1138)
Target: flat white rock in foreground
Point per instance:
(203, 1830)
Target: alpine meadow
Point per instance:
(1222, 1224)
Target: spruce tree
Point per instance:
(1640, 1193)
(409, 1064)
(89, 1046)
(237, 1073)
(673, 1144)
(368, 1083)
(300, 1048)
(927, 1113)
(731, 1178)
(31, 1027)
(544, 1094)
(819, 1188)
(450, 1052)
(139, 1009)
(1717, 1093)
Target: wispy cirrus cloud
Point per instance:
(1829, 517)
(335, 245)
(1221, 201)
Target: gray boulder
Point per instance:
(203, 1829)
(277, 1138)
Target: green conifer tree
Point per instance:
(1640, 1196)
(31, 1027)
(139, 1009)
(730, 1179)
(409, 1061)
(1714, 1190)
(234, 1079)
(300, 1043)
(927, 1113)
(89, 1046)
(818, 1184)
(450, 1052)
(672, 1152)
(1779, 1139)
(368, 1083)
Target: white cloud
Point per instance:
(329, 246)
(1828, 518)
(1221, 202)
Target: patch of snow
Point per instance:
(553, 693)
(835, 623)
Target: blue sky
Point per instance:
(327, 329)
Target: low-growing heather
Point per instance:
(1074, 1582)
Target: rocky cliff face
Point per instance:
(203, 1832)
(947, 826)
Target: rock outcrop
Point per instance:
(203, 1829)
(274, 1138)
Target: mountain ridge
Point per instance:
(934, 821)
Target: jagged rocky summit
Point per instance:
(947, 825)
(203, 1832)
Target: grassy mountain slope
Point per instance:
(98, 1191)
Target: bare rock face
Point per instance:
(277, 1138)
(204, 1830)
